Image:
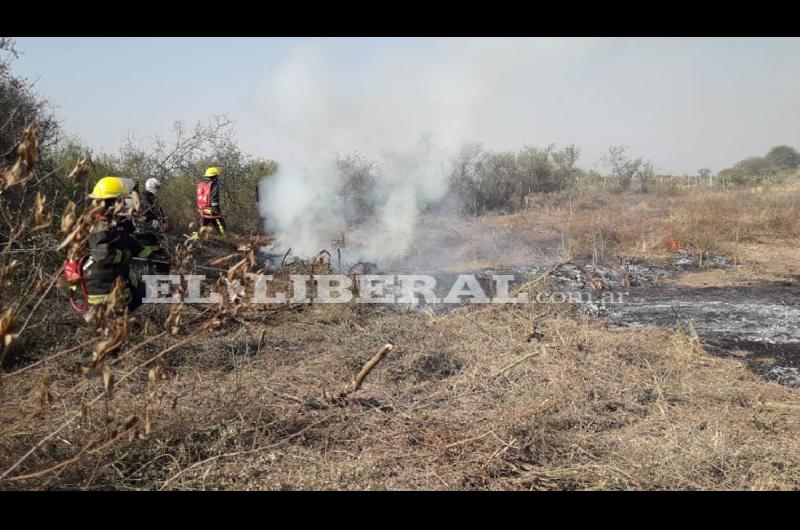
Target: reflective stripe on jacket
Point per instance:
(111, 247)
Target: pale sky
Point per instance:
(684, 103)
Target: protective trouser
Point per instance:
(134, 293)
(217, 224)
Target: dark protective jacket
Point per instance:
(111, 249)
(151, 210)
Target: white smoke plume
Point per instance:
(406, 115)
(421, 101)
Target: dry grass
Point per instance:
(452, 407)
(599, 226)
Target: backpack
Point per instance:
(77, 293)
(204, 195)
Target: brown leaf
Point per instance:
(104, 347)
(29, 145)
(116, 298)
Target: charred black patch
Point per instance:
(435, 366)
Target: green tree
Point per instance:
(783, 157)
(19, 106)
(626, 169)
(755, 165)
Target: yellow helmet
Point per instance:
(110, 188)
(212, 172)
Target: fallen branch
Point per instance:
(355, 384)
(519, 361)
(594, 282)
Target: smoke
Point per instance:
(409, 107)
(299, 204)
(407, 115)
(305, 208)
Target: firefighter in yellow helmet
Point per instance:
(208, 201)
(112, 246)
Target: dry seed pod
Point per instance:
(151, 381)
(27, 149)
(41, 216)
(9, 344)
(104, 347)
(136, 202)
(130, 426)
(68, 218)
(108, 380)
(45, 396)
(6, 322)
(174, 320)
(81, 169)
(29, 145)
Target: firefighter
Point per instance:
(150, 227)
(153, 214)
(112, 246)
(208, 201)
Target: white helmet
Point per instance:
(152, 185)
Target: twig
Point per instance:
(467, 440)
(238, 453)
(515, 363)
(312, 403)
(98, 398)
(52, 283)
(355, 384)
(54, 356)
